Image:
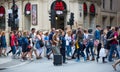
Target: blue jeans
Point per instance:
(68, 50)
(13, 49)
(113, 48)
(90, 46)
(80, 51)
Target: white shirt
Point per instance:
(68, 39)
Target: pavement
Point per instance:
(8, 62)
(44, 65)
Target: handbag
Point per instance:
(41, 43)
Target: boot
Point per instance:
(92, 59)
(88, 58)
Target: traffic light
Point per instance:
(15, 11)
(52, 17)
(71, 20)
(10, 20)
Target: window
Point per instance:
(103, 4)
(111, 4)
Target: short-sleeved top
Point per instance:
(114, 41)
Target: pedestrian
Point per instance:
(25, 46)
(55, 43)
(109, 32)
(63, 45)
(113, 43)
(115, 64)
(97, 37)
(90, 45)
(38, 39)
(3, 43)
(47, 45)
(68, 43)
(79, 45)
(32, 36)
(19, 46)
(0, 45)
(12, 44)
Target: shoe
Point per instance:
(85, 59)
(97, 59)
(92, 59)
(114, 67)
(105, 62)
(77, 60)
(7, 54)
(64, 62)
(73, 58)
(88, 58)
(110, 60)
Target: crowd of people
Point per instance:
(71, 44)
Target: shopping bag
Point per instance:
(102, 52)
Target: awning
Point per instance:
(2, 11)
(28, 9)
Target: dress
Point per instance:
(3, 42)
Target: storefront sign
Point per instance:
(59, 5)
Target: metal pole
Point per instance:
(13, 11)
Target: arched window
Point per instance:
(28, 9)
(85, 8)
(2, 11)
(92, 10)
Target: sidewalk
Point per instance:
(8, 62)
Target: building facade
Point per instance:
(37, 13)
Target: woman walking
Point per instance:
(3, 43)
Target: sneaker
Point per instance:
(77, 60)
(85, 59)
(7, 54)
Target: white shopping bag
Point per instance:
(102, 52)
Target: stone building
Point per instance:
(36, 13)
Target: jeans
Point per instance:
(69, 50)
(62, 50)
(90, 46)
(19, 50)
(112, 49)
(79, 51)
(13, 49)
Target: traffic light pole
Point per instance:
(13, 11)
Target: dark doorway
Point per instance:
(60, 21)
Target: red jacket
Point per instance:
(12, 40)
